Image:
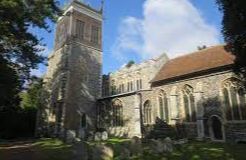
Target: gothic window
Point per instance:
(131, 86)
(117, 113)
(163, 107)
(95, 34)
(80, 29)
(147, 113)
(189, 104)
(101, 113)
(139, 84)
(113, 87)
(128, 86)
(234, 99)
(121, 88)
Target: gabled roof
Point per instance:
(206, 59)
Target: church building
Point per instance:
(197, 91)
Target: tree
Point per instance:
(9, 85)
(31, 97)
(130, 63)
(19, 48)
(234, 29)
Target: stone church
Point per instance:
(197, 91)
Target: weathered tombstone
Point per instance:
(168, 145)
(98, 136)
(102, 152)
(104, 136)
(70, 136)
(82, 133)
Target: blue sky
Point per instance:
(142, 29)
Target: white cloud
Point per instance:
(171, 26)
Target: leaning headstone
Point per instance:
(102, 152)
(104, 136)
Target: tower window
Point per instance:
(80, 29)
(94, 34)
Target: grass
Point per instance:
(200, 151)
(54, 149)
(42, 149)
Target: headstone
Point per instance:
(98, 136)
(82, 133)
(104, 136)
(70, 136)
(168, 145)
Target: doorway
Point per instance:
(216, 128)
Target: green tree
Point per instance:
(9, 85)
(130, 63)
(234, 29)
(30, 99)
(19, 48)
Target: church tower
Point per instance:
(73, 79)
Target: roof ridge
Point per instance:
(195, 52)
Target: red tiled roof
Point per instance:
(202, 60)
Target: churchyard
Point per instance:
(119, 149)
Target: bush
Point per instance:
(17, 123)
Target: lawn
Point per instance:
(53, 149)
(209, 151)
(42, 149)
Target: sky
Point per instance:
(143, 29)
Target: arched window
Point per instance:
(163, 107)
(234, 99)
(101, 113)
(113, 87)
(147, 117)
(189, 104)
(117, 113)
